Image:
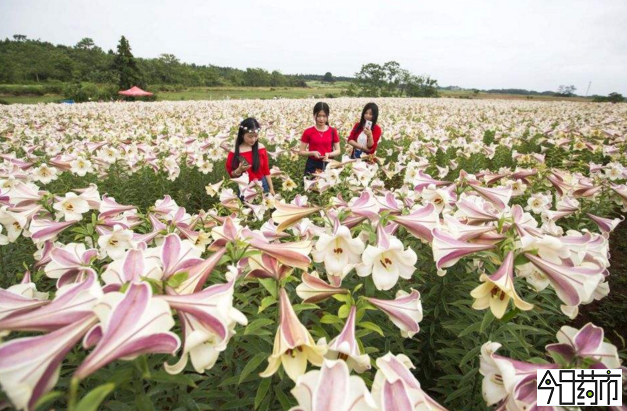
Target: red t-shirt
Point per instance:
(319, 141)
(376, 135)
(264, 165)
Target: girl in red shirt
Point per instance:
(320, 142)
(250, 156)
(366, 134)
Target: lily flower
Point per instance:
(405, 311)
(29, 367)
(345, 346)
(338, 250)
(208, 320)
(313, 289)
(573, 285)
(131, 324)
(497, 289)
(293, 345)
(70, 260)
(332, 388)
(73, 303)
(71, 207)
(585, 344)
(447, 250)
(420, 222)
(387, 261)
(396, 388)
(287, 215)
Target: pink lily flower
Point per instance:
(499, 196)
(131, 324)
(606, 225)
(197, 275)
(208, 320)
(21, 298)
(26, 378)
(420, 222)
(22, 195)
(69, 262)
(73, 303)
(313, 289)
(109, 207)
(573, 285)
(447, 250)
(264, 266)
(424, 180)
(177, 255)
(345, 346)
(287, 215)
(405, 311)
(44, 230)
(476, 210)
(332, 388)
(338, 250)
(466, 232)
(575, 346)
(294, 254)
(395, 388)
(497, 289)
(293, 345)
(510, 383)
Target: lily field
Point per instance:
(484, 241)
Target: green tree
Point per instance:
(126, 67)
(328, 77)
(85, 44)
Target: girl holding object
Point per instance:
(250, 156)
(366, 134)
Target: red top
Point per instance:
(319, 141)
(264, 165)
(376, 135)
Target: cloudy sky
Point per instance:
(532, 44)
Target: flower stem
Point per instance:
(73, 393)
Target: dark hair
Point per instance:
(244, 127)
(324, 107)
(375, 116)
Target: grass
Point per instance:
(316, 89)
(493, 96)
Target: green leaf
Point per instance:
(285, 402)
(342, 297)
(266, 302)
(177, 279)
(488, 317)
(262, 391)
(305, 306)
(270, 285)
(252, 365)
(358, 287)
(164, 377)
(257, 324)
(45, 399)
(331, 319)
(371, 326)
(143, 403)
(344, 311)
(92, 400)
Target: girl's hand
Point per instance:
(316, 155)
(368, 132)
(272, 192)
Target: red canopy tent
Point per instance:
(135, 92)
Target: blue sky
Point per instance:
(532, 44)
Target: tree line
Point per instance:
(25, 61)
